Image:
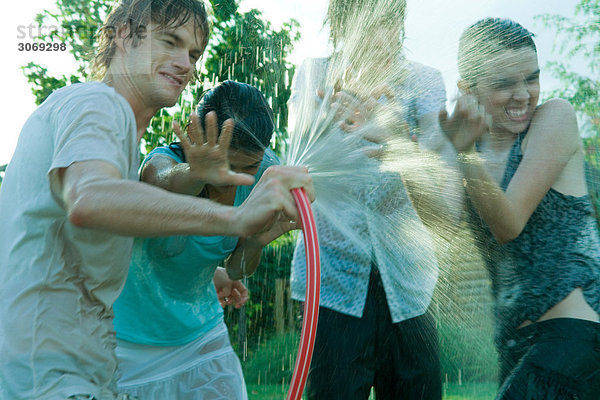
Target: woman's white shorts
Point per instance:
(206, 369)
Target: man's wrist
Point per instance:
(230, 218)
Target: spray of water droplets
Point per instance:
(348, 125)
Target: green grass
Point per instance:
(452, 391)
(471, 391)
(266, 392)
(466, 356)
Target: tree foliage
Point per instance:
(243, 47)
(2, 169)
(75, 24)
(578, 38)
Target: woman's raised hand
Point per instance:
(207, 153)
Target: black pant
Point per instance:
(554, 359)
(351, 355)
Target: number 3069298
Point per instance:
(41, 46)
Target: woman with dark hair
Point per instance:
(172, 340)
(524, 175)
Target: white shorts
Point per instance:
(206, 369)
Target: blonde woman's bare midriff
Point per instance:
(572, 306)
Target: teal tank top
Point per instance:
(169, 298)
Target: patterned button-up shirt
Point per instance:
(352, 240)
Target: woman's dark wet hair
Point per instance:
(247, 106)
(487, 37)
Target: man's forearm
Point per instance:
(171, 176)
(138, 209)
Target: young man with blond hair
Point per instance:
(71, 202)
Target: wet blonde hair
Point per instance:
(342, 15)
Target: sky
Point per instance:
(432, 31)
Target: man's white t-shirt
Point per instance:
(58, 282)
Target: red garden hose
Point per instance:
(311, 302)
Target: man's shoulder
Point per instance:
(316, 61)
(314, 66)
(417, 69)
(83, 89)
(424, 82)
(80, 96)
